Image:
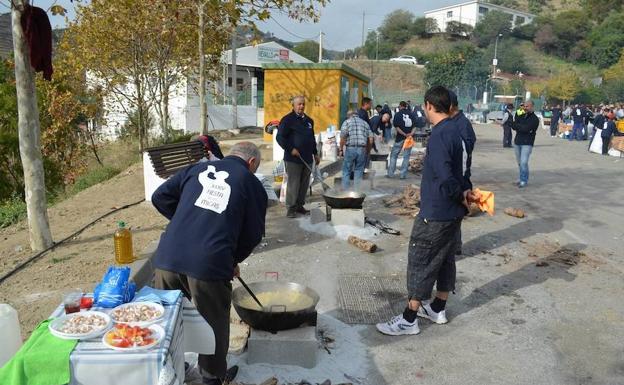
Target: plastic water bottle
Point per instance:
(123, 244)
(10, 334)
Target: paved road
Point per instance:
(511, 322)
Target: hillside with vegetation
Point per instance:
(570, 53)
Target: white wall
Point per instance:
(469, 14)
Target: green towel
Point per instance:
(42, 360)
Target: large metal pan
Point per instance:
(344, 199)
(275, 316)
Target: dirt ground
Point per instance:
(80, 262)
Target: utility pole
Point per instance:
(320, 60)
(363, 18)
(495, 61)
(234, 82)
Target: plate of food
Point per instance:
(138, 313)
(124, 337)
(82, 325)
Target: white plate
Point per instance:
(55, 325)
(142, 324)
(158, 335)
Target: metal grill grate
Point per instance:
(370, 299)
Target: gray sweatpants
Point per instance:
(212, 299)
(297, 186)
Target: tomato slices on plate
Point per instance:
(125, 337)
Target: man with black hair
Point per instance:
(362, 113)
(508, 118)
(444, 195)
(404, 122)
(526, 126)
(378, 109)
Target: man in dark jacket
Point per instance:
(381, 125)
(404, 122)
(578, 116)
(295, 135)
(554, 120)
(526, 126)
(444, 201)
(608, 129)
(217, 212)
(363, 112)
(507, 121)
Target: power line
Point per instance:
(292, 33)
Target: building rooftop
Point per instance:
(483, 3)
(316, 66)
(269, 52)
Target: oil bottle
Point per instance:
(123, 244)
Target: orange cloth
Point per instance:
(409, 142)
(485, 200)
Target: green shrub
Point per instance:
(11, 211)
(93, 177)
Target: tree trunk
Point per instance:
(165, 113)
(29, 137)
(203, 108)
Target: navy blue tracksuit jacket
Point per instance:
(443, 181)
(217, 212)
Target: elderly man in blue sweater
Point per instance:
(216, 212)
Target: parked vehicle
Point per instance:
(405, 59)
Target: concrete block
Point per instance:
(317, 213)
(379, 166)
(348, 217)
(288, 347)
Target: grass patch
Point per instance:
(12, 211)
(62, 259)
(93, 177)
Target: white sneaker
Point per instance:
(398, 326)
(425, 311)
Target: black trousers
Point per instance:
(297, 185)
(507, 136)
(605, 145)
(213, 300)
(554, 127)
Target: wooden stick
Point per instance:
(362, 244)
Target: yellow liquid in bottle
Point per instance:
(123, 246)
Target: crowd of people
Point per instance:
(586, 121)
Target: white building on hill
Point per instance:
(471, 12)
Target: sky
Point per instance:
(341, 20)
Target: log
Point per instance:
(270, 381)
(518, 213)
(362, 244)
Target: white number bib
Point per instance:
(215, 194)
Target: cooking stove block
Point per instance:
(348, 217)
(286, 347)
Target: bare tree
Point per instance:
(29, 135)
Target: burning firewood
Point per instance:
(416, 165)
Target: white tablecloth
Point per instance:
(91, 363)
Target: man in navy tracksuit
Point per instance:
(554, 120)
(217, 212)
(295, 135)
(404, 121)
(469, 139)
(444, 196)
(578, 116)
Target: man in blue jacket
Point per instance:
(578, 116)
(295, 135)
(404, 122)
(554, 120)
(526, 126)
(217, 212)
(444, 200)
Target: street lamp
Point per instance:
(495, 61)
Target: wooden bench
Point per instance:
(170, 158)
